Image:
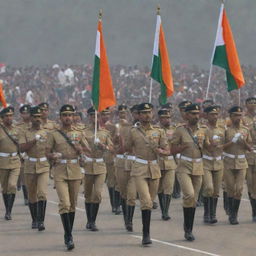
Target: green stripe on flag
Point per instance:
(96, 83)
(221, 59)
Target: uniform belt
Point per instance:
(254, 151)
(142, 161)
(120, 156)
(197, 160)
(8, 154)
(130, 157)
(233, 156)
(217, 158)
(178, 155)
(66, 161)
(97, 160)
(32, 159)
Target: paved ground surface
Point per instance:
(16, 237)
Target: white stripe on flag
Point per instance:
(156, 41)
(97, 48)
(219, 38)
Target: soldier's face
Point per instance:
(122, 115)
(92, 118)
(192, 117)
(236, 118)
(36, 120)
(45, 113)
(145, 116)
(212, 117)
(135, 115)
(251, 107)
(165, 120)
(183, 114)
(8, 119)
(105, 117)
(76, 119)
(25, 116)
(66, 118)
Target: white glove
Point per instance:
(236, 137)
(97, 140)
(58, 155)
(215, 137)
(38, 137)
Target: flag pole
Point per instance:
(239, 97)
(210, 72)
(150, 90)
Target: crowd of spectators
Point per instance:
(72, 84)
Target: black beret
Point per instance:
(67, 108)
(7, 110)
(163, 113)
(43, 105)
(184, 104)
(91, 111)
(35, 111)
(207, 103)
(134, 108)
(167, 106)
(145, 107)
(25, 108)
(122, 107)
(192, 108)
(235, 109)
(251, 100)
(212, 109)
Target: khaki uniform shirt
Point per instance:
(182, 137)
(214, 165)
(236, 148)
(109, 157)
(57, 143)
(37, 151)
(50, 125)
(22, 126)
(7, 146)
(143, 143)
(94, 167)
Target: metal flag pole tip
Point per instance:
(158, 10)
(100, 13)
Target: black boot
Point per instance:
(206, 210)
(189, 214)
(160, 199)
(124, 210)
(94, 212)
(41, 207)
(5, 202)
(253, 205)
(111, 198)
(225, 202)
(236, 204)
(33, 212)
(117, 202)
(10, 200)
(25, 194)
(130, 212)
(166, 205)
(213, 207)
(71, 219)
(88, 210)
(146, 216)
(176, 189)
(68, 233)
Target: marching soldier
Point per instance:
(249, 121)
(237, 144)
(23, 125)
(147, 143)
(33, 142)
(77, 122)
(213, 163)
(187, 140)
(64, 146)
(9, 159)
(167, 166)
(95, 168)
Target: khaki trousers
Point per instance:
(37, 185)
(234, 181)
(111, 177)
(166, 182)
(190, 187)
(251, 180)
(126, 186)
(8, 180)
(93, 186)
(147, 190)
(67, 191)
(212, 181)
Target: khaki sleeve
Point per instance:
(22, 137)
(176, 138)
(84, 141)
(128, 142)
(163, 139)
(50, 141)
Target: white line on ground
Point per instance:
(180, 246)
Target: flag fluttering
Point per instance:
(161, 67)
(102, 89)
(225, 54)
(2, 97)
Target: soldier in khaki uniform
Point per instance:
(95, 168)
(64, 146)
(249, 121)
(167, 166)
(77, 122)
(33, 142)
(213, 163)
(23, 125)
(147, 143)
(188, 140)
(238, 140)
(9, 159)
(46, 123)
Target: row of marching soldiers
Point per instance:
(139, 158)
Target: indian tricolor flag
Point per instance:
(225, 54)
(102, 90)
(2, 97)
(161, 68)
